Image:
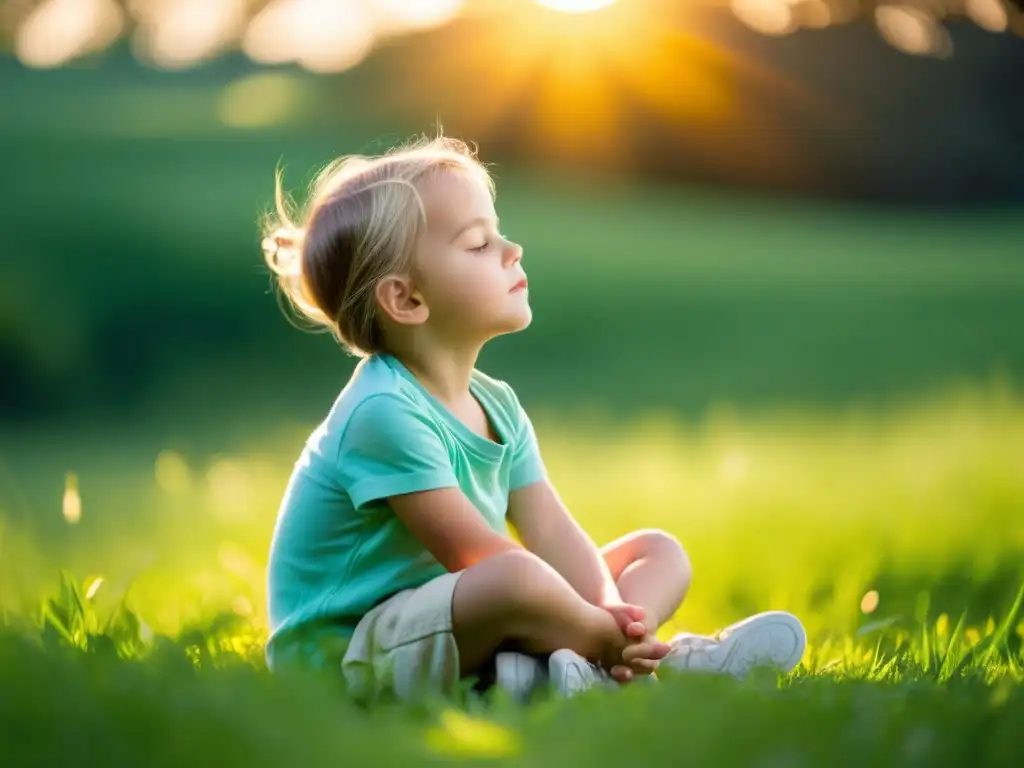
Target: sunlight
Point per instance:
(570, 83)
(912, 30)
(575, 6)
(181, 33)
(59, 30)
(769, 17)
(320, 35)
(398, 16)
(988, 14)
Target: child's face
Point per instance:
(470, 277)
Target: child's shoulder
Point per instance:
(374, 394)
(372, 378)
(501, 391)
(492, 384)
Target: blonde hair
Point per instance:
(359, 224)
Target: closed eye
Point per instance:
(481, 248)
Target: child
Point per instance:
(391, 557)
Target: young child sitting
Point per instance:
(392, 558)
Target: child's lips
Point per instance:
(520, 286)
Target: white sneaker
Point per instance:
(774, 639)
(518, 674)
(571, 674)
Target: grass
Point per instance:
(895, 534)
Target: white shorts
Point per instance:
(404, 647)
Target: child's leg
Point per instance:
(518, 597)
(651, 570)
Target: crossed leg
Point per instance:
(517, 600)
(652, 570)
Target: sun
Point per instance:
(575, 6)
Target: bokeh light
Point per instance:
(575, 6)
(769, 17)
(321, 35)
(172, 473)
(400, 16)
(913, 30)
(93, 588)
(59, 30)
(179, 33)
(869, 603)
(72, 502)
(330, 36)
(261, 100)
(988, 14)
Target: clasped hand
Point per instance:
(643, 651)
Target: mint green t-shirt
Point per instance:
(338, 549)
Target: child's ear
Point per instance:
(400, 301)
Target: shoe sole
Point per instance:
(762, 634)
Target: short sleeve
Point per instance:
(389, 448)
(527, 465)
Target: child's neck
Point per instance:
(444, 372)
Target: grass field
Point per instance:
(152, 400)
(895, 534)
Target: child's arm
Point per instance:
(449, 527)
(548, 529)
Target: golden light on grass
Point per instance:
(60, 30)
(241, 605)
(734, 466)
(575, 6)
(235, 560)
(172, 473)
(72, 504)
(230, 489)
(869, 603)
(94, 587)
(463, 736)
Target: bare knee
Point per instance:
(664, 549)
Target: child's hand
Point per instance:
(643, 651)
(630, 619)
(641, 657)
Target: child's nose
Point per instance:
(513, 252)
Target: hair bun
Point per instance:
(281, 247)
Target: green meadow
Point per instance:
(822, 402)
